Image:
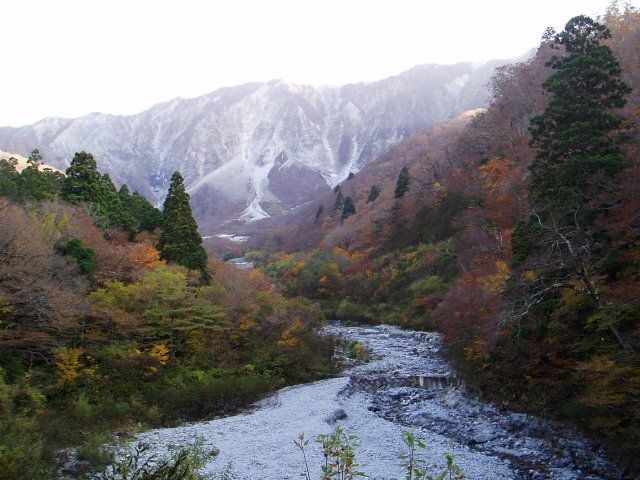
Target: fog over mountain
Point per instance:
(258, 149)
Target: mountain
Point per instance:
(259, 149)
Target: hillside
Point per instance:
(538, 304)
(259, 149)
(104, 330)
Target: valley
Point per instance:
(407, 384)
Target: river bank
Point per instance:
(406, 385)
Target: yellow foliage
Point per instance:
(477, 351)
(160, 352)
(494, 172)
(50, 224)
(255, 274)
(69, 367)
(247, 325)
(530, 275)
(395, 273)
(290, 337)
(496, 282)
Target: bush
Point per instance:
(354, 312)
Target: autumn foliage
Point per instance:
(462, 250)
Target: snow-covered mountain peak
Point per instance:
(258, 149)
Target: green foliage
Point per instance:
(84, 256)
(348, 208)
(8, 177)
(427, 285)
(137, 464)
(179, 240)
(402, 184)
(413, 465)
(83, 182)
(337, 206)
(109, 207)
(23, 450)
(339, 450)
(353, 312)
(576, 134)
(359, 352)
(33, 182)
(374, 192)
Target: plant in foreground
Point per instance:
(340, 459)
(138, 465)
(415, 466)
(339, 451)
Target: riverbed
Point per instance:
(406, 385)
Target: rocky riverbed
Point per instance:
(406, 385)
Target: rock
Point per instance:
(214, 452)
(336, 416)
(482, 438)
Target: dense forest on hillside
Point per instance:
(112, 318)
(513, 230)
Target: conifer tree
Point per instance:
(402, 184)
(348, 208)
(577, 135)
(374, 193)
(83, 182)
(339, 202)
(179, 240)
(579, 149)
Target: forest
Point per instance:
(512, 230)
(114, 320)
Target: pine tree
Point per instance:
(38, 183)
(179, 240)
(579, 149)
(339, 202)
(348, 208)
(374, 193)
(402, 184)
(577, 136)
(83, 182)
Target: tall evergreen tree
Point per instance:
(374, 193)
(577, 136)
(38, 183)
(579, 148)
(402, 184)
(179, 240)
(83, 182)
(348, 208)
(339, 202)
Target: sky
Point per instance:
(68, 58)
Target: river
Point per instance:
(406, 385)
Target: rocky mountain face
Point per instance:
(258, 149)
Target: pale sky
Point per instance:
(71, 57)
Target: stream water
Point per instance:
(407, 385)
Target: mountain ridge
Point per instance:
(260, 148)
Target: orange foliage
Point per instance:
(145, 255)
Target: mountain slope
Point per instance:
(258, 149)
